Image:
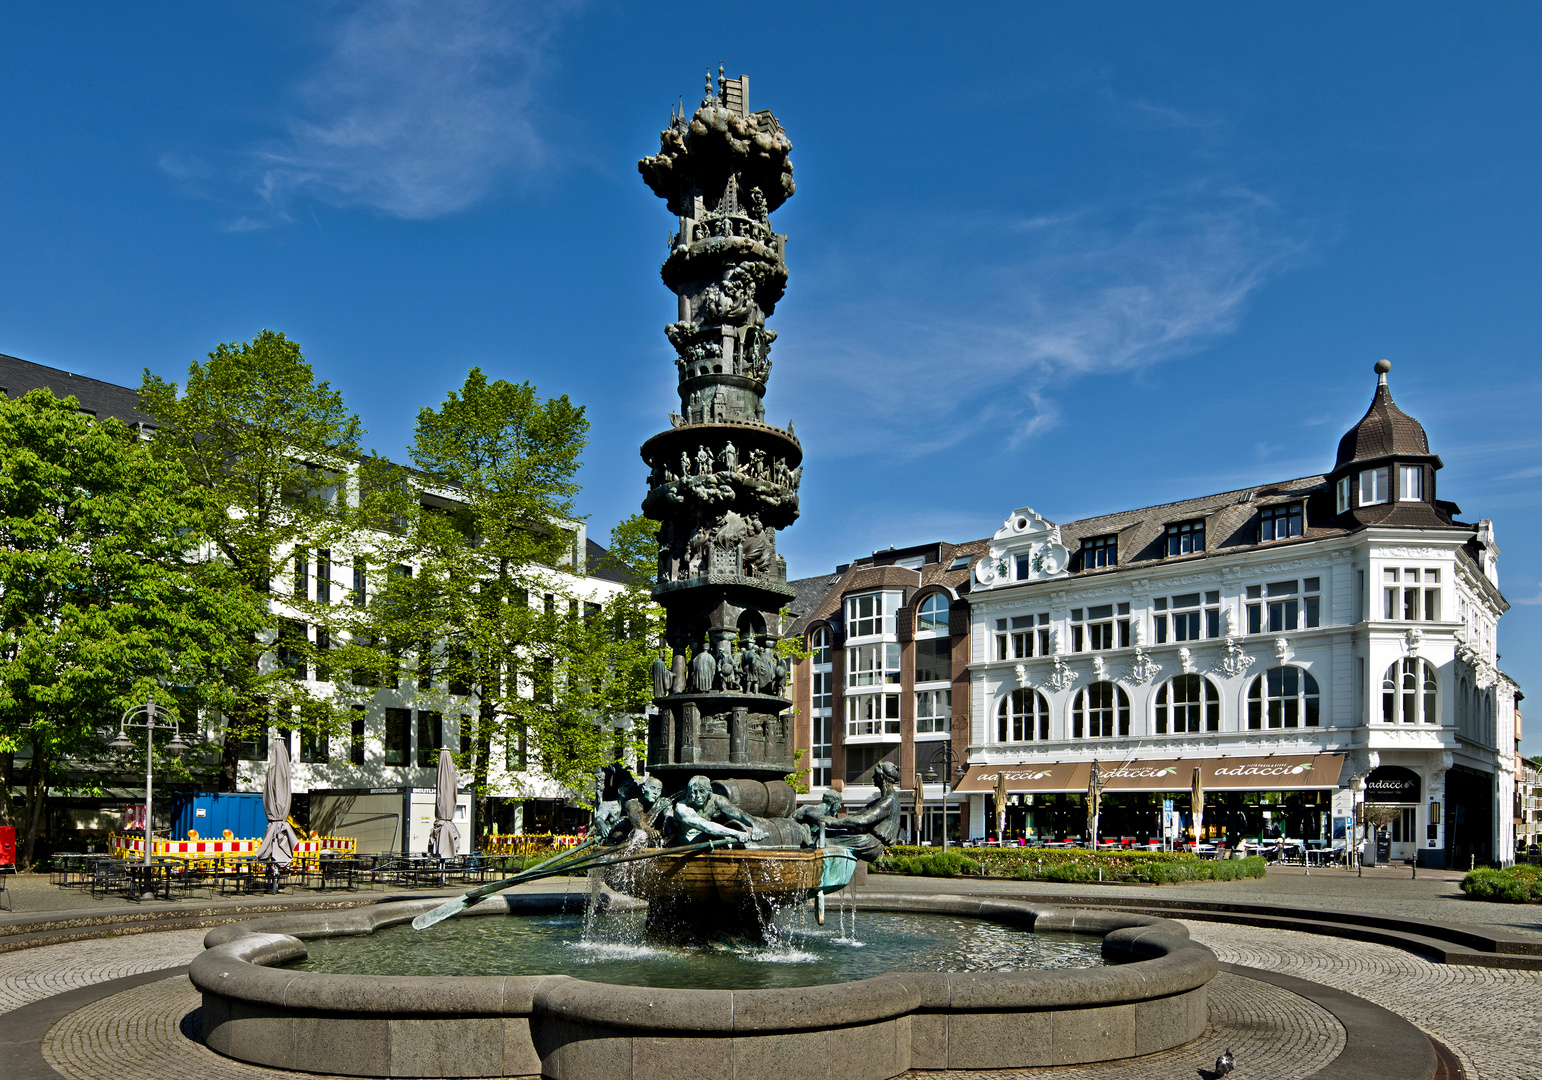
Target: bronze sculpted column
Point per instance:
(721, 480)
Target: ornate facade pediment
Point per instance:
(1027, 547)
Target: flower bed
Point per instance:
(1517, 884)
(1068, 864)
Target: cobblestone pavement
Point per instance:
(143, 1034)
(1487, 1016)
(33, 974)
(1436, 896)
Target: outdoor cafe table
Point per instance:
(154, 879)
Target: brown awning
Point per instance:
(1273, 772)
(1063, 776)
(1261, 772)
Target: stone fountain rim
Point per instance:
(1164, 962)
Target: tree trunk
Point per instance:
(37, 795)
(7, 767)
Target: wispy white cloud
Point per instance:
(1537, 599)
(417, 110)
(985, 319)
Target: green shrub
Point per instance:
(1074, 865)
(1513, 885)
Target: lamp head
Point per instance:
(121, 742)
(177, 747)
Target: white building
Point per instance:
(1328, 634)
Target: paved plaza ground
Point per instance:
(1488, 1017)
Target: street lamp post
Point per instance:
(950, 760)
(144, 716)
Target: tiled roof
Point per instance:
(1383, 431)
(103, 399)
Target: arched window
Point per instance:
(1021, 713)
(1409, 693)
(1187, 702)
(1100, 710)
(1287, 696)
(933, 613)
(819, 642)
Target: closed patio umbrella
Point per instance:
(444, 840)
(278, 841)
(1001, 806)
(1094, 802)
(1197, 805)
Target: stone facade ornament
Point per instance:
(1235, 662)
(1099, 669)
(1186, 659)
(1022, 676)
(1281, 649)
(1062, 677)
(1144, 669)
(1412, 640)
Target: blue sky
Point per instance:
(1079, 257)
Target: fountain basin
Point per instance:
(1151, 998)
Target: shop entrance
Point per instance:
(1469, 817)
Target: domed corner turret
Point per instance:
(1385, 473)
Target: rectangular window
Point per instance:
(823, 687)
(323, 576)
(1341, 496)
(1100, 551)
(543, 681)
(253, 749)
(465, 738)
(516, 749)
(430, 738)
(1186, 538)
(1255, 610)
(872, 714)
(1022, 637)
(1373, 487)
(1213, 614)
(360, 576)
(1311, 602)
(871, 614)
(934, 660)
(1024, 567)
(872, 665)
(1410, 482)
(398, 736)
(860, 761)
(1186, 617)
(1284, 606)
(323, 648)
(356, 737)
(1279, 522)
(1432, 605)
(1044, 635)
(292, 639)
(1095, 633)
(302, 574)
(934, 711)
(314, 746)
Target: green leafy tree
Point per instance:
(106, 599)
(487, 606)
(274, 450)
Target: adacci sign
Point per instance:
(1275, 772)
(1392, 784)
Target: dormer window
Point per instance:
(1373, 487)
(1186, 538)
(1410, 482)
(1100, 551)
(1342, 496)
(1279, 522)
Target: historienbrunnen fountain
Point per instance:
(702, 946)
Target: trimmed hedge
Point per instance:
(1519, 884)
(1068, 864)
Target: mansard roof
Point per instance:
(1384, 430)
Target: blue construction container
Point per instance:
(213, 812)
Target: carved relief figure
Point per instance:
(729, 458)
(678, 684)
(703, 461)
(660, 677)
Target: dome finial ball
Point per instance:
(1383, 366)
